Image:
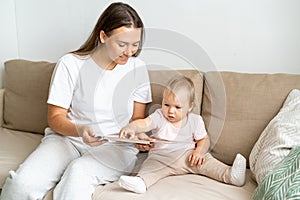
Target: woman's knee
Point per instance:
(78, 168)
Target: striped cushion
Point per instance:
(278, 138)
(284, 180)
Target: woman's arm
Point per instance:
(139, 110)
(58, 122)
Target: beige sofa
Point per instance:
(236, 107)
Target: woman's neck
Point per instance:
(101, 58)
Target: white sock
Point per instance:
(238, 170)
(133, 183)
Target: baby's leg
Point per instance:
(217, 170)
(154, 168)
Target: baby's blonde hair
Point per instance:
(181, 82)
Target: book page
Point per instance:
(117, 139)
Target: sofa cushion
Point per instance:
(238, 106)
(15, 147)
(278, 138)
(26, 86)
(189, 186)
(284, 180)
(159, 79)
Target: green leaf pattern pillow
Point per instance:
(283, 183)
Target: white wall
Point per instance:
(8, 33)
(257, 36)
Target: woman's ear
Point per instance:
(103, 36)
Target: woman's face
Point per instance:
(122, 43)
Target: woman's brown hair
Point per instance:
(114, 16)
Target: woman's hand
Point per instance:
(88, 136)
(144, 147)
(196, 158)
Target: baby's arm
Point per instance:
(136, 127)
(197, 157)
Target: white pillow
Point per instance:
(278, 138)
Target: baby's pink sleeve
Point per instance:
(200, 131)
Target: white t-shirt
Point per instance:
(100, 98)
(185, 136)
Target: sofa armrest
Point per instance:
(1, 106)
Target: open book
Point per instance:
(117, 139)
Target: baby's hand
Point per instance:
(127, 132)
(196, 158)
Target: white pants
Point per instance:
(76, 167)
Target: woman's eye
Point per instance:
(136, 45)
(122, 45)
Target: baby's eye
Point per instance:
(167, 105)
(178, 107)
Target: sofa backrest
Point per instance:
(238, 106)
(26, 86)
(27, 83)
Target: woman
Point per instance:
(94, 90)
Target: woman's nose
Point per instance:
(129, 51)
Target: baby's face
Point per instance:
(175, 107)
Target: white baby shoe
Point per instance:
(133, 183)
(238, 170)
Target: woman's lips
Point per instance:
(123, 58)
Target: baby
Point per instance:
(181, 143)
